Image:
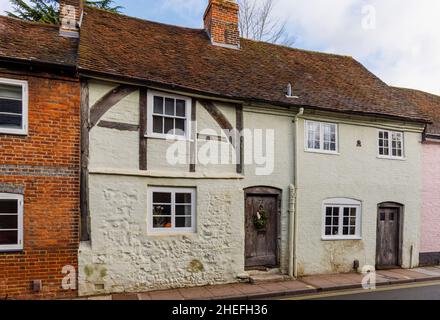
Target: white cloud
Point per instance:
(403, 49)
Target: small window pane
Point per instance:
(161, 210)
(11, 91)
(8, 206)
(183, 222)
(157, 124)
(183, 198)
(169, 126)
(169, 107)
(8, 237)
(10, 106)
(161, 197)
(328, 231)
(345, 231)
(180, 108)
(183, 210)
(180, 127)
(158, 105)
(12, 121)
(8, 222)
(335, 231)
(162, 222)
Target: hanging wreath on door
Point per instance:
(260, 219)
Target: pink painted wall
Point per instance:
(431, 198)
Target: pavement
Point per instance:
(289, 288)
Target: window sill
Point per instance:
(340, 238)
(13, 132)
(11, 251)
(168, 138)
(392, 158)
(333, 153)
(163, 234)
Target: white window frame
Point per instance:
(173, 229)
(321, 138)
(390, 145)
(342, 203)
(25, 103)
(19, 245)
(150, 113)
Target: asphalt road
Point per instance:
(413, 291)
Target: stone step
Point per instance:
(264, 278)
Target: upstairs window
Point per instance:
(390, 144)
(321, 137)
(13, 106)
(11, 222)
(172, 210)
(342, 219)
(168, 115)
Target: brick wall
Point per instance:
(44, 165)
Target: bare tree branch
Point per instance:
(257, 22)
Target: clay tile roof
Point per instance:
(426, 103)
(122, 46)
(35, 42)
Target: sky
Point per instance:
(398, 40)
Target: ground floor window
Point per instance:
(171, 210)
(342, 219)
(11, 222)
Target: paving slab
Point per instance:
(166, 295)
(197, 293)
(144, 296)
(429, 271)
(125, 296)
(226, 291)
(395, 277)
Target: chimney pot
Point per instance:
(221, 23)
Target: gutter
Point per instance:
(293, 205)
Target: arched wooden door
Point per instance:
(262, 219)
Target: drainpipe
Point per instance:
(293, 228)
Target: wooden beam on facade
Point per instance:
(84, 177)
(239, 146)
(109, 100)
(143, 129)
(193, 145)
(118, 125)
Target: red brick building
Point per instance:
(39, 160)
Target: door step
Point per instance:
(268, 275)
(264, 278)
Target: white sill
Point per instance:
(392, 158)
(13, 132)
(171, 233)
(340, 238)
(168, 137)
(334, 153)
(11, 249)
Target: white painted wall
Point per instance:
(122, 256)
(356, 173)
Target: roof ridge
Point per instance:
(416, 90)
(142, 20)
(33, 23)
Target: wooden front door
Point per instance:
(261, 230)
(388, 238)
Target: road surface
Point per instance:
(411, 291)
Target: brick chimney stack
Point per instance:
(221, 23)
(70, 17)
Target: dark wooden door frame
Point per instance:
(267, 191)
(401, 213)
